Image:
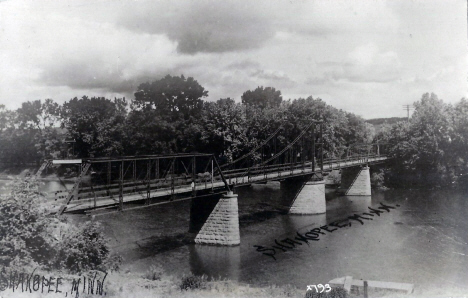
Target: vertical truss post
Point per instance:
(212, 173)
(94, 195)
(121, 177)
(148, 180)
(156, 170)
(109, 173)
(134, 175)
(173, 178)
(321, 146)
(313, 147)
(303, 154)
(263, 165)
(194, 173)
(291, 160)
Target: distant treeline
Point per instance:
(380, 121)
(166, 116)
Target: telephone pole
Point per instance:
(408, 108)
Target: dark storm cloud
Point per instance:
(203, 26)
(88, 76)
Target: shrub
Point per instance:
(83, 248)
(155, 272)
(23, 226)
(31, 235)
(192, 282)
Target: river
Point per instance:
(424, 241)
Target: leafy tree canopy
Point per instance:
(171, 96)
(96, 124)
(263, 98)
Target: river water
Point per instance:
(424, 241)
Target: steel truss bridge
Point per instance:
(158, 179)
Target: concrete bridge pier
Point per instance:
(310, 199)
(222, 225)
(355, 181)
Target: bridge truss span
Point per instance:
(158, 179)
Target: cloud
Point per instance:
(201, 26)
(365, 64)
(343, 51)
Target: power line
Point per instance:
(408, 108)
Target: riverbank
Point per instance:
(156, 283)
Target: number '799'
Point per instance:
(322, 288)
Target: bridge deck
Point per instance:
(280, 174)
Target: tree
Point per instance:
(43, 118)
(171, 97)
(427, 150)
(147, 132)
(39, 115)
(96, 124)
(262, 98)
(460, 133)
(224, 127)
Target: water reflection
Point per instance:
(215, 261)
(356, 203)
(305, 222)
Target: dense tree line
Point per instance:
(166, 116)
(431, 149)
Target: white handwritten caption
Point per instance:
(323, 288)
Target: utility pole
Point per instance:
(408, 108)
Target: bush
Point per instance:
(192, 282)
(83, 248)
(32, 236)
(23, 226)
(155, 272)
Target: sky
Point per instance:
(365, 57)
